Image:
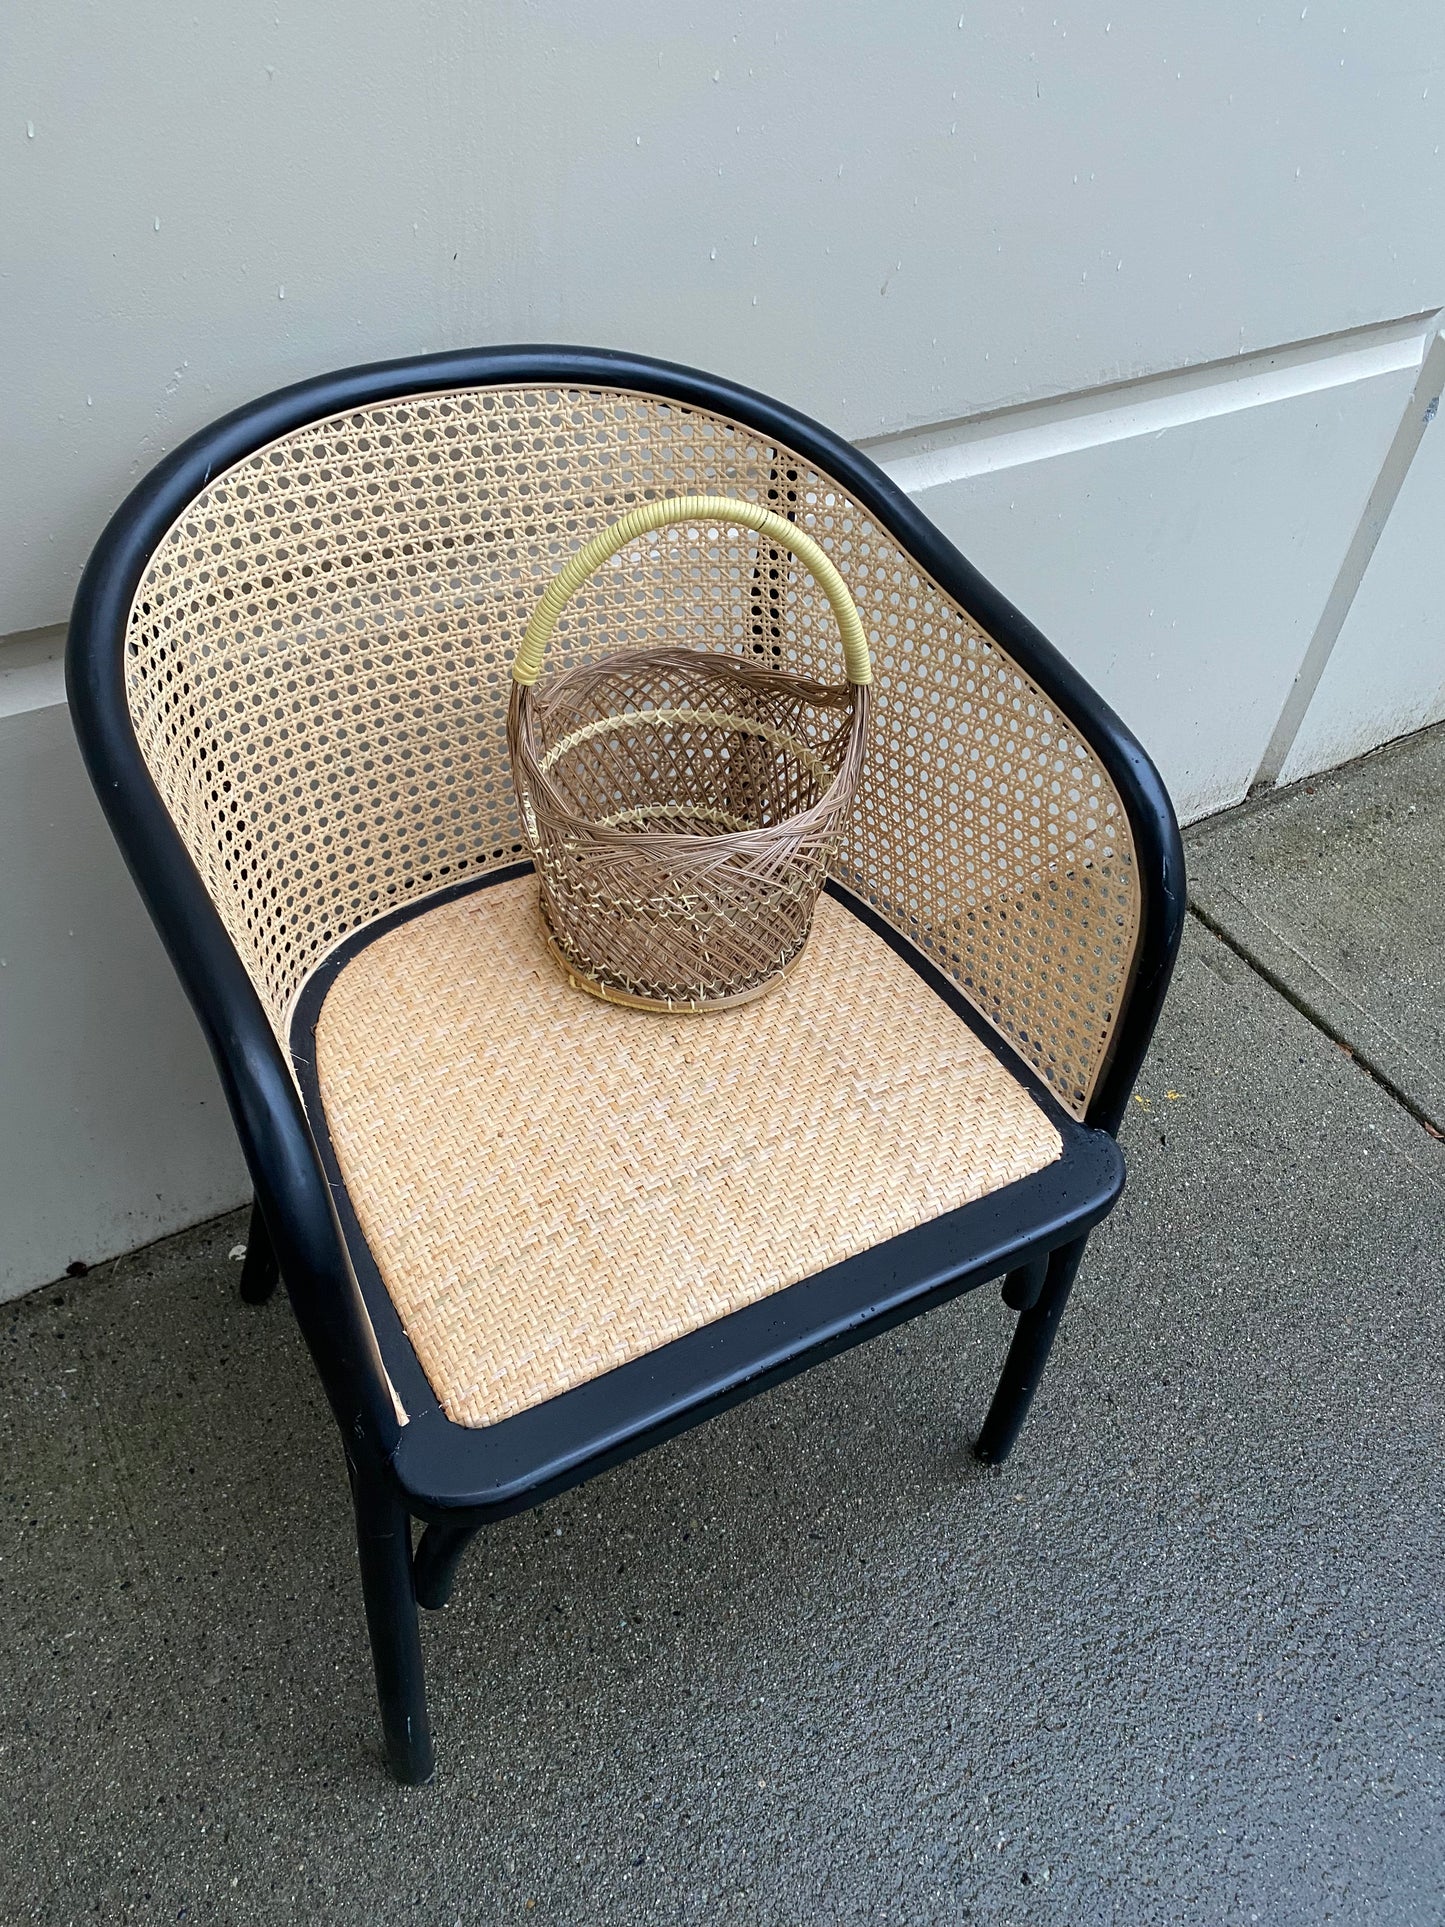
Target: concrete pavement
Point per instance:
(1336, 891)
(1180, 1661)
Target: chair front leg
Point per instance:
(1028, 1353)
(383, 1540)
(260, 1269)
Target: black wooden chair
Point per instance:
(527, 1234)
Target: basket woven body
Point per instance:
(682, 805)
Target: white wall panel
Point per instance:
(1386, 673)
(901, 218)
(1181, 566)
(890, 215)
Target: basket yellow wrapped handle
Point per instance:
(693, 508)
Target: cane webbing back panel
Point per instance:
(317, 670)
(551, 1186)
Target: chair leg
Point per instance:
(438, 1554)
(260, 1270)
(1023, 1288)
(383, 1539)
(1027, 1355)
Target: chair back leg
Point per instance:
(1023, 1288)
(1033, 1340)
(383, 1542)
(438, 1554)
(260, 1270)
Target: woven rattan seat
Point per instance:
(551, 1186)
(526, 1233)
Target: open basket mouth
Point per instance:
(684, 745)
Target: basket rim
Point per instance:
(521, 730)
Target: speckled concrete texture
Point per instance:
(1336, 889)
(1182, 1660)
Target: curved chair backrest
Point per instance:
(317, 653)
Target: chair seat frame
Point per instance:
(454, 1478)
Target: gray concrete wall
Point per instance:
(1135, 298)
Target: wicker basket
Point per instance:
(682, 805)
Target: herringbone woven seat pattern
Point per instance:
(551, 1186)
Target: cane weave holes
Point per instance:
(317, 671)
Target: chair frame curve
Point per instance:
(400, 1471)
